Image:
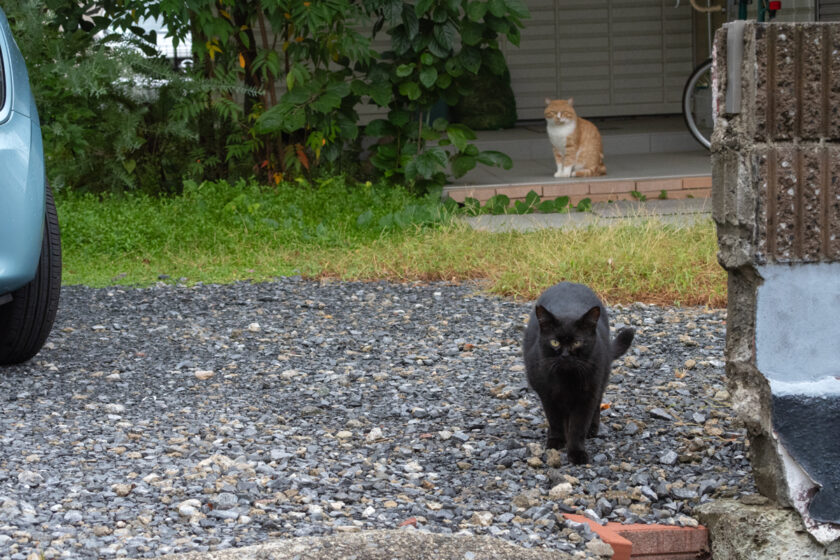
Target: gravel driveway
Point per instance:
(177, 419)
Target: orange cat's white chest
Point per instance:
(557, 133)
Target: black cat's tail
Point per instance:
(622, 341)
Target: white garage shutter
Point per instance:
(615, 57)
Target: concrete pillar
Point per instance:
(776, 204)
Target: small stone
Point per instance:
(661, 414)
(189, 508)
(560, 491)
(669, 457)
(374, 435)
(102, 531)
(481, 518)
(599, 547)
(30, 478)
(445, 434)
(224, 500)
(686, 521)
(203, 374)
(554, 458)
(114, 408)
(689, 364)
(33, 458)
(344, 434)
(527, 499)
(535, 462)
(254, 327)
(412, 467)
(722, 395)
(73, 516)
(535, 449)
(390, 504)
(122, 490)
(113, 377)
(463, 465)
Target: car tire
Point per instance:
(26, 321)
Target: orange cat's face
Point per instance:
(559, 111)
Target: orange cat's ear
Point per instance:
(571, 101)
(548, 101)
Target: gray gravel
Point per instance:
(175, 419)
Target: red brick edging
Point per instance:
(650, 542)
(595, 190)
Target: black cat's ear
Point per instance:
(590, 318)
(545, 317)
(622, 341)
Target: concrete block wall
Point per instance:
(776, 204)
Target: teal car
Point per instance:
(30, 242)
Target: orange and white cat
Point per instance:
(576, 141)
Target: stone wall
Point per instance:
(776, 203)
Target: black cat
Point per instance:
(568, 356)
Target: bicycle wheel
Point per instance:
(697, 104)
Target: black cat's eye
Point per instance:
(577, 344)
(554, 343)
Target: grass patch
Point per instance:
(218, 233)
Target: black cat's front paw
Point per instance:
(593, 430)
(578, 456)
(555, 443)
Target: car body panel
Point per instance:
(22, 188)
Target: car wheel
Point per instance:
(26, 321)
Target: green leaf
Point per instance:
(453, 67)
(427, 59)
(458, 139)
(498, 159)
(499, 25)
(381, 93)
(326, 103)
(444, 81)
(410, 90)
(517, 8)
(495, 61)
(428, 76)
(380, 127)
(440, 124)
(438, 50)
(405, 70)
(471, 33)
(472, 206)
(476, 10)
(470, 58)
(498, 204)
(584, 205)
(468, 133)
(461, 164)
(409, 18)
(364, 218)
(399, 117)
(430, 162)
(532, 199)
(129, 165)
(446, 35)
(497, 8)
(561, 203)
(422, 7)
(547, 207)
